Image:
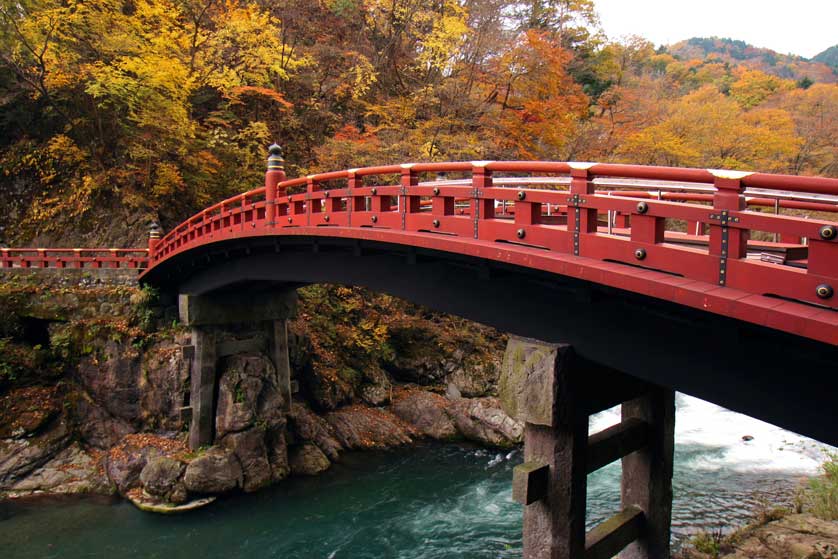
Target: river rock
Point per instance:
(308, 460)
(427, 413)
(795, 536)
(305, 425)
(359, 427)
(248, 393)
(277, 445)
(215, 471)
(20, 457)
(482, 420)
(249, 448)
(71, 471)
(160, 476)
(126, 460)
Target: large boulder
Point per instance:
(249, 448)
(308, 460)
(126, 460)
(248, 393)
(360, 427)
(305, 425)
(427, 413)
(216, 470)
(482, 420)
(161, 478)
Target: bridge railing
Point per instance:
(78, 258)
(694, 224)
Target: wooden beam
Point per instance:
(615, 442)
(529, 482)
(647, 474)
(232, 347)
(612, 536)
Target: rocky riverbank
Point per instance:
(780, 535)
(93, 384)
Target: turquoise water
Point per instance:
(432, 501)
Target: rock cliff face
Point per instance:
(104, 413)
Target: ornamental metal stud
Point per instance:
(290, 220)
(640, 253)
(325, 218)
(436, 223)
(824, 291)
(374, 191)
(326, 194)
(642, 207)
(828, 232)
(275, 159)
(521, 233)
(374, 218)
(436, 191)
(522, 195)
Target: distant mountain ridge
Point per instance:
(828, 57)
(822, 68)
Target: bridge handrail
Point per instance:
(639, 204)
(80, 258)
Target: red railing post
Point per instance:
(481, 208)
(313, 205)
(354, 203)
(580, 220)
(273, 176)
(409, 204)
(727, 241)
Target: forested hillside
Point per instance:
(787, 66)
(114, 112)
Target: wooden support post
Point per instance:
(554, 527)
(647, 473)
(538, 386)
(278, 350)
(554, 392)
(202, 394)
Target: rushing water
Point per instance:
(432, 501)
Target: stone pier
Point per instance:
(554, 392)
(264, 314)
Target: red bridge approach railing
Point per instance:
(74, 258)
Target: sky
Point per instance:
(802, 27)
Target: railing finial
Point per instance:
(275, 160)
(154, 234)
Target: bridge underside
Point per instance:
(781, 378)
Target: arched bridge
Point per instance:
(716, 283)
(636, 281)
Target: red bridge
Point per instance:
(719, 284)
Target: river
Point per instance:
(431, 501)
